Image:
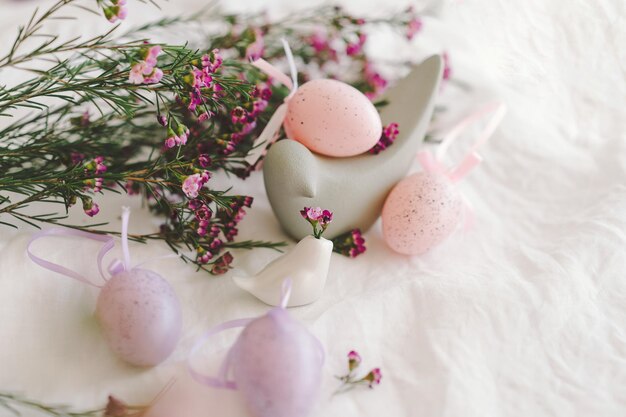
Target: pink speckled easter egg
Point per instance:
(420, 212)
(140, 316)
(332, 118)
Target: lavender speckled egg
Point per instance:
(332, 118)
(140, 316)
(277, 365)
(420, 212)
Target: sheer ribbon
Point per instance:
(270, 132)
(115, 267)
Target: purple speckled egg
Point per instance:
(420, 212)
(140, 316)
(332, 118)
(277, 366)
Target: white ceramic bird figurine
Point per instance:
(353, 188)
(306, 265)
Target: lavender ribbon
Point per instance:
(433, 163)
(114, 268)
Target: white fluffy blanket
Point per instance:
(523, 316)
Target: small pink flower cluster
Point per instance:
(389, 135)
(447, 69)
(222, 264)
(176, 138)
(350, 380)
(320, 42)
(355, 48)
(193, 183)
(317, 217)
(94, 167)
(256, 49)
(210, 232)
(413, 28)
(351, 244)
(146, 71)
(245, 121)
(203, 79)
(90, 208)
(116, 12)
(377, 82)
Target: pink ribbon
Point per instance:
(270, 132)
(433, 163)
(221, 381)
(114, 268)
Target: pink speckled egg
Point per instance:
(140, 316)
(332, 118)
(420, 212)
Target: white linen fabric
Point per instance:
(525, 315)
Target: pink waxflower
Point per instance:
(205, 116)
(318, 41)
(90, 208)
(447, 69)
(212, 60)
(256, 49)
(204, 160)
(351, 380)
(351, 244)
(374, 377)
(222, 264)
(356, 48)
(388, 136)
(154, 77)
(376, 81)
(317, 217)
(145, 71)
(238, 115)
(192, 185)
(354, 360)
(116, 12)
(162, 120)
(413, 27)
(136, 74)
(153, 53)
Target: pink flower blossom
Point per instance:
(354, 360)
(447, 69)
(414, 27)
(153, 77)
(256, 49)
(374, 377)
(116, 12)
(90, 208)
(351, 244)
(356, 48)
(136, 76)
(319, 41)
(222, 264)
(212, 60)
(192, 185)
(204, 160)
(388, 136)
(317, 217)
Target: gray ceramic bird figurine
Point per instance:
(353, 188)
